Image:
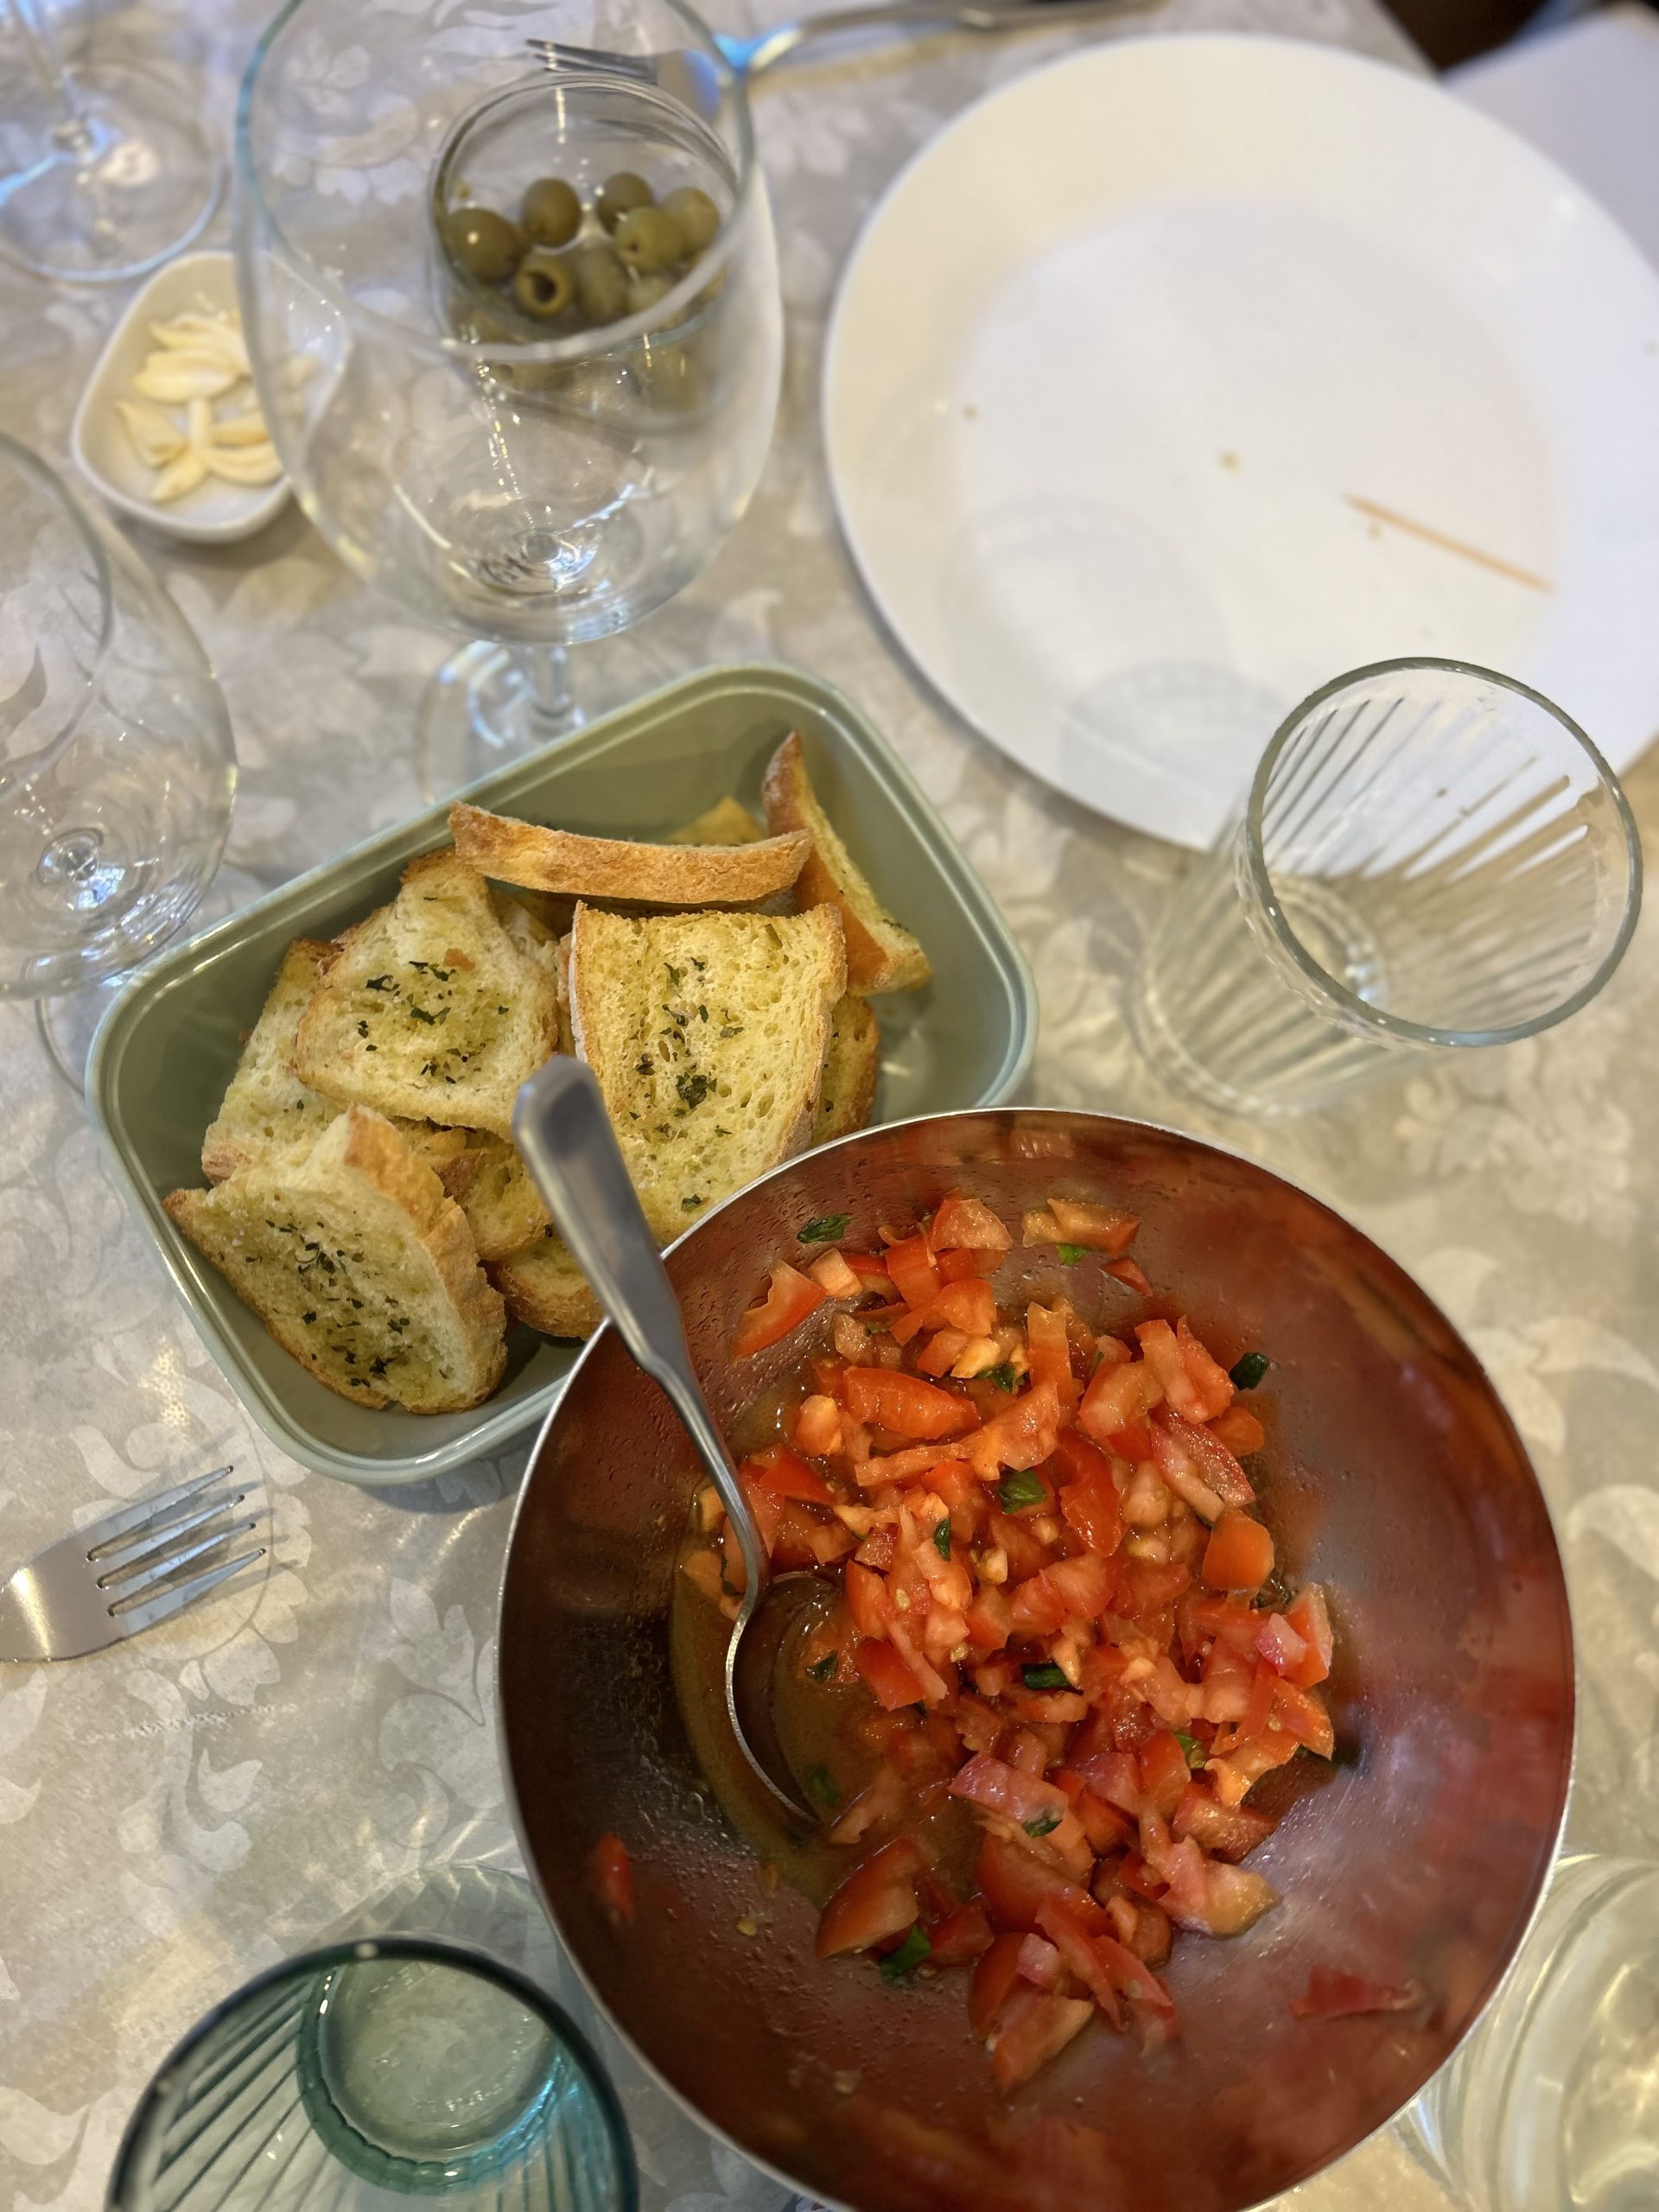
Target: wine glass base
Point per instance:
(120, 190)
(69, 1023)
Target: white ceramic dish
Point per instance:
(215, 513)
(1121, 347)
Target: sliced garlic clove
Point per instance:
(176, 377)
(219, 335)
(243, 464)
(199, 424)
(247, 429)
(156, 438)
(179, 477)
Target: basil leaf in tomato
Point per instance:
(1025, 1486)
(899, 1965)
(824, 1229)
(1045, 1677)
(1244, 1374)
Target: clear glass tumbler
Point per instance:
(1551, 2103)
(1431, 856)
(382, 2067)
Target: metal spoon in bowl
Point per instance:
(574, 1161)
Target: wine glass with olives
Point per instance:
(538, 301)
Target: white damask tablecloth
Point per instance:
(186, 1808)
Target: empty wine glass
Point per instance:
(105, 171)
(523, 473)
(117, 767)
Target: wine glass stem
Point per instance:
(70, 130)
(547, 671)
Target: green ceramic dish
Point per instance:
(167, 1047)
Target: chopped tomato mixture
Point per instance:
(1060, 1674)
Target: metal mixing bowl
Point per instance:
(1393, 1475)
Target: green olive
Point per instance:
(696, 215)
(645, 291)
(619, 195)
(485, 245)
(649, 238)
(552, 212)
(545, 285)
(601, 283)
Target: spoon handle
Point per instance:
(574, 1161)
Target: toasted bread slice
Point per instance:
(727, 821)
(491, 1184)
(847, 1094)
(546, 1290)
(881, 954)
(613, 868)
(359, 1265)
(429, 1008)
(708, 1034)
(267, 1107)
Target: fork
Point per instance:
(88, 1590)
(689, 77)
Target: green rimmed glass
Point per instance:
(370, 2071)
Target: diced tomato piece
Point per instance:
(1117, 1397)
(1239, 1555)
(961, 1936)
(1176, 1466)
(1239, 1430)
(702, 1570)
(1131, 1272)
(890, 1680)
(1258, 1709)
(1087, 1584)
(1305, 1717)
(867, 1599)
(817, 1429)
(1022, 1437)
(610, 1873)
(1333, 1995)
(790, 1296)
(1280, 1646)
(943, 1348)
(1040, 1964)
(1106, 1828)
(1133, 1975)
(871, 1270)
(1146, 1586)
(1038, 1608)
(1115, 1777)
(1310, 1616)
(1048, 1346)
(833, 1277)
(1225, 1831)
(959, 1267)
(905, 1405)
(1208, 1377)
(1093, 1511)
(1014, 1881)
(1097, 1227)
(990, 1619)
(995, 1979)
(1236, 1773)
(968, 1223)
(1078, 1460)
(1004, 1788)
(877, 1900)
(910, 1265)
(766, 1507)
(1165, 1353)
(969, 1306)
(785, 1474)
(1034, 2032)
(1164, 1773)
(1075, 1946)
(1214, 1463)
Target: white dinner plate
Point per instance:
(1177, 377)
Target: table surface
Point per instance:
(190, 1807)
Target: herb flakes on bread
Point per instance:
(708, 1033)
(430, 1008)
(359, 1265)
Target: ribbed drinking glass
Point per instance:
(1431, 857)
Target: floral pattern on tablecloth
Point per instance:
(186, 1809)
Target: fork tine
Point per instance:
(174, 1601)
(99, 1533)
(171, 1564)
(146, 1545)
